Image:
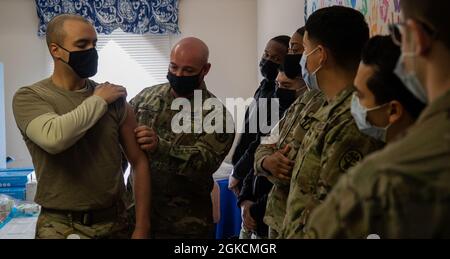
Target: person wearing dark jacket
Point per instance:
(243, 157)
(253, 196)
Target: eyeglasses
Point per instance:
(396, 31)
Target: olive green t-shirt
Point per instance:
(87, 175)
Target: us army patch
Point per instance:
(349, 159)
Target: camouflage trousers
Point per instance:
(246, 235)
(59, 226)
(273, 234)
(161, 233)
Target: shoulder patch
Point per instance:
(350, 159)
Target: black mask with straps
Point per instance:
(286, 97)
(84, 62)
(184, 85)
(292, 67)
(269, 69)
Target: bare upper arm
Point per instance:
(128, 138)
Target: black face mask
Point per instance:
(269, 69)
(292, 66)
(286, 96)
(84, 63)
(183, 85)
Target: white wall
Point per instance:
(278, 17)
(2, 121)
(24, 56)
(229, 29)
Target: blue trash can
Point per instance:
(230, 222)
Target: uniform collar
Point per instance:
(329, 108)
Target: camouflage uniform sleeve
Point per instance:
(264, 151)
(344, 147)
(369, 200)
(135, 101)
(328, 220)
(385, 201)
(346, 212)
(206, 155)
(163, 147)
(261, 153)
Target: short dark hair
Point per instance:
(344, 31)
(55, 28)
(382, 53)
(432, 14)
(283, 40)
(301, 31)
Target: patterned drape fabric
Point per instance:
(134, 16)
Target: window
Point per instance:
(134, 61)
(2, 121)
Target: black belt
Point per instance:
(87, 218)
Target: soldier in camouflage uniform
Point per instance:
(297, 119)
(404, 190)
(333, 144)
(182, 164)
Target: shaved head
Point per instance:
(55, 28)
(192, 49)
(189, 57)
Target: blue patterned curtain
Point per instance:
(134, 16)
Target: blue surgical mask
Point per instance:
(309, 78)
(410, 79)
(360, 115)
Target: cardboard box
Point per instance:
(17, 192)
(10, 178)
